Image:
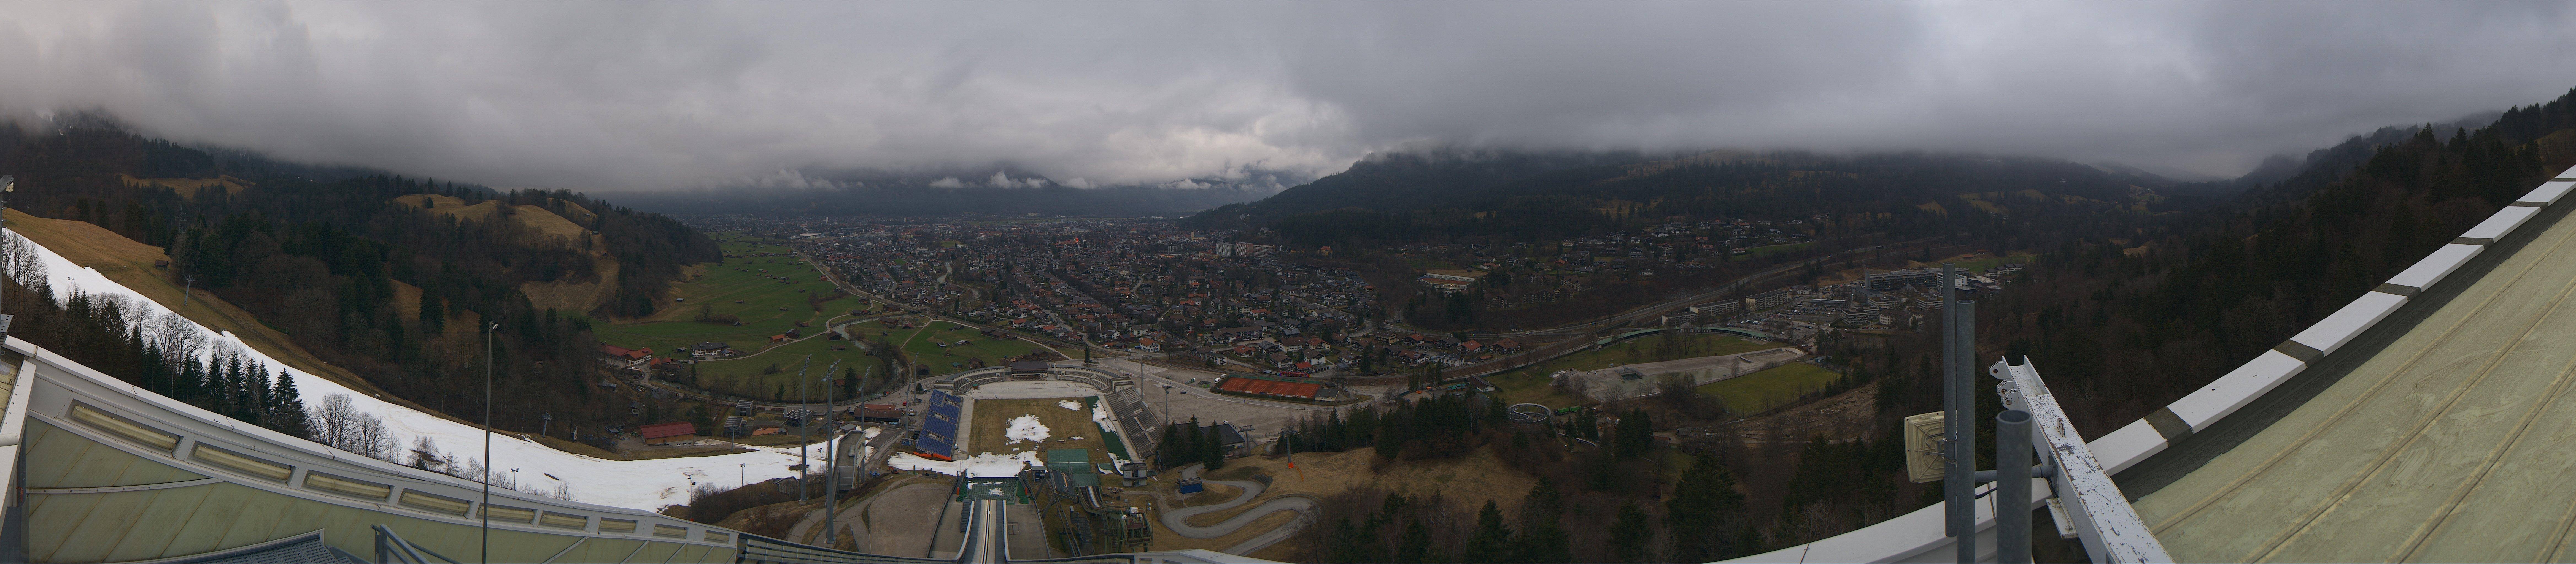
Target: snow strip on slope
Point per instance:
(1100, 415)
(1070, 404)
(986, 465)
(637, 484)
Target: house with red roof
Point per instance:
(660, 433)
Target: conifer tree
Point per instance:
(1491, 543)
(1211, 448)
(1416, 546)
(433, 314)
(1630, 533)
(253, 406)
(1703, 506)
(287, 412)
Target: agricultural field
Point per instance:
(743, 287)
(1753, 393)
(1530, 385)
(992, 430)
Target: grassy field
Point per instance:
(1759, 252)
(745, 375)
(1529, 385)
(745, 285)
(1767, 389)
(1066, 428)
(738, 287)
(1991, 262)
(923, 343)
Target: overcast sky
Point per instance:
(631, 96)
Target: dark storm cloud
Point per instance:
(633, 96)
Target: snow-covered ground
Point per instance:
(986, 465)
(1070, 404)
(1024, 428)
(637, 484)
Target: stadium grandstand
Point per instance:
(938, 437)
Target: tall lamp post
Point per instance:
(805, 431)
(802, 429)
(486, 478)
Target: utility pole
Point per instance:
(486, 478)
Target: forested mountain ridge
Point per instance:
(1898, 195)
(2130, 325)
(387, 290)
(1398, 181)
(1003, 192)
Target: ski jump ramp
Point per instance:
(2427, 421)
(113, 473)
(102, 471)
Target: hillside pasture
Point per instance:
(714, 293)
(924, 344)
(746, 375)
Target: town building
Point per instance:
(1451, 280)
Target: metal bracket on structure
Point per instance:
(2086, 496)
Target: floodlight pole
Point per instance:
(804, 429)
(831, 479)
(486, 478)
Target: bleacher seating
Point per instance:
(939, 425)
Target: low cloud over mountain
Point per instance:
(650, 96)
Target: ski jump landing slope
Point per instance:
(2441, 433)
(2426, 421)
(636, 484)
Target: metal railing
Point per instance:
(2100, 514)
(760, 549)
(391, 548)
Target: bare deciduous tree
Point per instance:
(179, 338)
(334, 421)
(20, 262)
(425, 456)
(1571, 382)
(370, 437)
